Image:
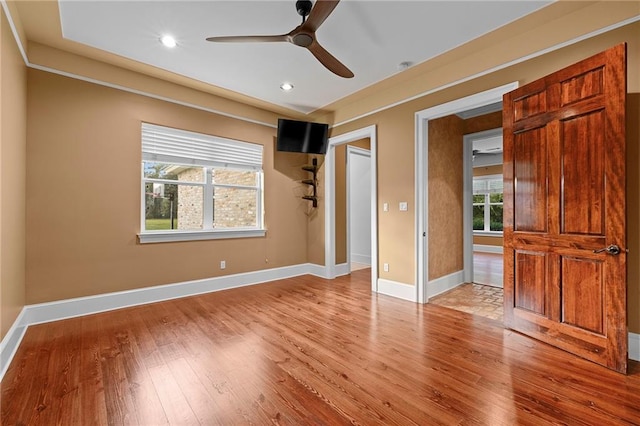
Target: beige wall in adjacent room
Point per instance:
(487, 170)
(396, 133)
(13, 129)
(83, 208)
(445, 236)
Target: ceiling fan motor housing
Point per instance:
(303, 7)
(302, 40)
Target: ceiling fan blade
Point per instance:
(321, 11)
(329, 61)
(249, 39)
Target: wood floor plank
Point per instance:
(303, 351)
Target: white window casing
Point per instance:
(189, 149)
(487, 185)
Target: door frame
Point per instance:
(353, 150)
(421, 176)
(467, 202)
(330, 202)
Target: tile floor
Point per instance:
(475, 298)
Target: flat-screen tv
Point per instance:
(302, 136)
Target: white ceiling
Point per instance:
(370, 37)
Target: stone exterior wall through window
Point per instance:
(233, 207)
(190, 207)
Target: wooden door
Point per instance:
(564, 205)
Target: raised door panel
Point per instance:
(583, 181)
(531, 105)
(530, 281)
(583, 294)
(583, 86)
(530, 176)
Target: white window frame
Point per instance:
(208, 232)
(487, 204)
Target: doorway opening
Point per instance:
(482, 200)
(430, 287)
(483, 197)
(358, 205)
(333, 268)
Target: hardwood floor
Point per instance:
(487, 268)
(303, 351)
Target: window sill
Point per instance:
(218, 234)
(488, 233)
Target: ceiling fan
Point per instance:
(304, 35)
(487, 151)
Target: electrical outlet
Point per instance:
(223, 264)
(385, 267)
(385, 207)
(403, 206)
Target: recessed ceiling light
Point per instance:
(168, 41)
(286, 86)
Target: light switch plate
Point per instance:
(403, 206)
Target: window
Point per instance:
(487, 203)
(197, 186)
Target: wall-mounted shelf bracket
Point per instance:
(313, 182)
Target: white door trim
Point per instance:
(422, 162)
(330, 201)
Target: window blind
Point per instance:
(165, 144)
(490, 186)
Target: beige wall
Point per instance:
(13, 128)
(483, 122)
(84, 144)
(445, 196)
(445, 189)
(396, 153)
(75, 250)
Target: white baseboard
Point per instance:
(342, 269)
(634, 346)
(317, 270)
(361, 258)
(322, 271)
(53, 311)
(9, 345)
(396, 289)
(442, 284)
(483, 248)
(69, 308)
